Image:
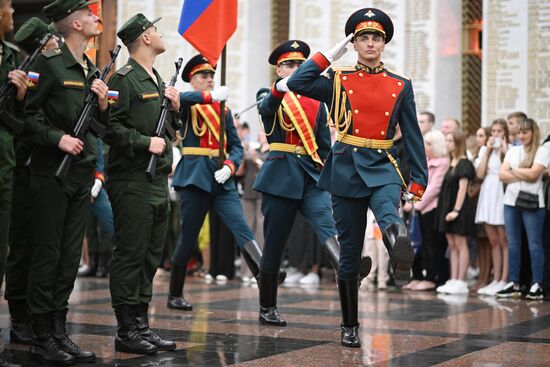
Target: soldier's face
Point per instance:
(203, 82)
(6, 17)
(89, 22)
(284, 70)
(369, 47)
(155, 37)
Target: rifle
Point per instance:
(161, 123)
(8, 90)
(84, 122)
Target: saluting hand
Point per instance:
(70, 145)
(101, 90)
(338, 50)
(19, 79)
(157, 145)
(174, 96)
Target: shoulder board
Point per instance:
(52, 53)
(12, 46)
(399, 75)
(125, 70)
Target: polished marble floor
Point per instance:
(397, 329)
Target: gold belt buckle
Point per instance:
(368, 143)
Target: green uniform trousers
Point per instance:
(60, 217)
(7, 163)
(140, 210)
(21, 244)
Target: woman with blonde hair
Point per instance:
(426, 259)
(522, 171)
(455, 212)
(490, 207)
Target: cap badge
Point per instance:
(370, 14)
(295, 45)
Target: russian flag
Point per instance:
(208, 25)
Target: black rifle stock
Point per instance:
(8, 90)
(161, 123)
(84, 121)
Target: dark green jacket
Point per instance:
(134, 116)
(53, 107)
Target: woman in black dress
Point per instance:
(455, 212)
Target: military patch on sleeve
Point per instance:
(32, 79)
(76, 84)
(112, 96)
(146, 96)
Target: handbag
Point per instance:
(415, 235)
(527, 201)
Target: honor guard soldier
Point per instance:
(15, 107)
(61, 80)
(140, 205)
(299, 141)
(201, 183)
(28, 37)
(367, 101)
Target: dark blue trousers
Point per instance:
(280, 213)
(350, 215)
(194, 204)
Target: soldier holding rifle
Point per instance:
(139, 198)
(61, 80)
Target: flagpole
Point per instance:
(221, 153)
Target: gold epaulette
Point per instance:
(401, 75)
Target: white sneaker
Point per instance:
(458, 287)
(208, 278)
(495, 288)
(253, 280)
(483, 290)
(310, 279)
(221, 279)
(443, 288)
(472, 272)
(294, 278)
(245, 279)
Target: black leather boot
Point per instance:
(20, 328)
(128, 339)
(268, 299)
(252, 254)
(104, 265)
(175, 295)
(146, 333)
(400, 250)
(332, 249)
(44, 347)
(348, 290)
(59, 320)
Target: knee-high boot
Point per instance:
(268, 299)
(399, 248)
(175, 295)
(348, 289)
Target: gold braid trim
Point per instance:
(197, 130)
(342, 117)
(284, 125)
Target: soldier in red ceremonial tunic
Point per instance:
(366, 102)
(299, 141)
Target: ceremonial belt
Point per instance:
(207, 152)
(287, 148)
(365, 143)
(373, 144)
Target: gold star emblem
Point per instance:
(370, 14)
(295, 45)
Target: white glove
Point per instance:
(339, 50)
(281, 85)
(220, 94)
(96, 188)
(410, 198)
(222, 174)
